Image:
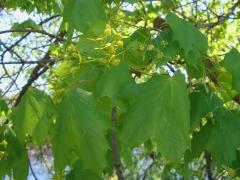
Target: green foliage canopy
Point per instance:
(119, 75)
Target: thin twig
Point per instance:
(40, 69)
(31, 31)
(24, 62)
(221, 19)
(31, 169)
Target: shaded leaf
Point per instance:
(221, 138)
(79, 173)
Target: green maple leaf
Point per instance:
(85, 76)
(3, 105)
(232, 63)
(169, 50)
(193, 38)
(135, 48)
(202, 102)
(193, 58)
(161, 113)
(225, 138)
(80, 132)
(79, 173)
(220, 138)
(16, 163)
(236, 164)
(90, 47)
(113, 81)
(85, 16)
(32, 116)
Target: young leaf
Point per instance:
(28, 24)
(32, 116)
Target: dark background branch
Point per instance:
(115, 148)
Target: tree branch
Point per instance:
(208, 165)
(221, 19)
(31, 31)
(41, 68)
(115, 151)
(23, 62)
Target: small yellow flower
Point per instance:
(115, 61)
(209, 115)
(164, 43)
(150, 47)
(108, 31)
(4, 143)
(141, 47)
(114, 178)
(111, 49)
(212, 85)
(72, 48)
(119, 44)
(3, 154)
(231, 172)
(75, 55)
(118, 36)
(160, 55)
(221, 70)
